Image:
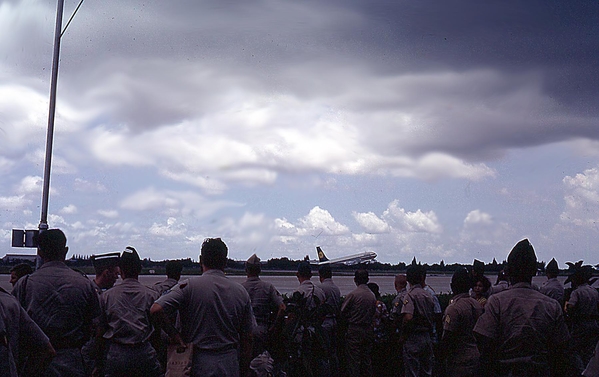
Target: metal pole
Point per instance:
(50, 136)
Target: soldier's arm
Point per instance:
(161, 320)
(487, 348)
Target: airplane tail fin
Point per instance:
(321, 256)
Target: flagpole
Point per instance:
(51, 113)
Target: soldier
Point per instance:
(400, 284)
(106, 267)
(124, 327)
(216, 316)
(265, 301)
(173, 274)
(418, 320)
(307, 288)
(62, 302)
(21, 339)
(18, 272)
(582, 312)
(358, 310)
(458, 344)
(522, 332)
(553, 287)
(501, 284)
(329, 325)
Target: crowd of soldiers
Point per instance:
(57, 322)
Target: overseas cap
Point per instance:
(130, 259)
(552, 267)
(107, 260)
(522, 261)
(253, 260)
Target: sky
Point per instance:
(445, 130)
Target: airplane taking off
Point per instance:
(348, 260)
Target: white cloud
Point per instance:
(320, 222)
(172, 228)
(371, 222)
(14, 202)
(109, 213)
(418, 221)
(478, 217)
(87, 186)
(68, 210)
(30, 185)
(582, 199)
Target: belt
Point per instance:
(228, 347)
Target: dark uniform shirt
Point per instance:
(460, 317)
(214, 310)
(125, 312)
(554, 289)
(309, 291)
(397, 304)
(524, 323)
(61, 301)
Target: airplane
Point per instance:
(349, 260)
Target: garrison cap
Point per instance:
(522, 260)
(552, 267)
(130, 258)
(253, 261)
(478, 267)
(579, 273)
(107, 260)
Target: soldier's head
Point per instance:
(552, 269)
(522, 263)
(173, 269)
(461, 281)
(52, 245)
(400, 282)
(130, 263)
(252, 266)
(325, 272)
(304, 271)
(214, 254)
(18, 272)
(107, 269)
(361, 277)
(415, 274)
(374, 287)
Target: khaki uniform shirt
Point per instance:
(164, 285)
(359, 307)
(332, 294)
(419, 303)
(309, 290)
(584, 300)
(125, 312)
(554, 289)
(265, 298)
(61, 301)
(524, 323)
(460, 317)
(214, 310)
(19, 333)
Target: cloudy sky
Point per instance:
(446, 130)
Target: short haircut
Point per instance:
(325, 271)
(374, 287)
(253, 269)
(304, 270)
(214, 253)
(461, 280)
(52, 244)
(173, 269)
(21, 270)
(415, 273)
(400, 280)
(361, 276)
(485, 281)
